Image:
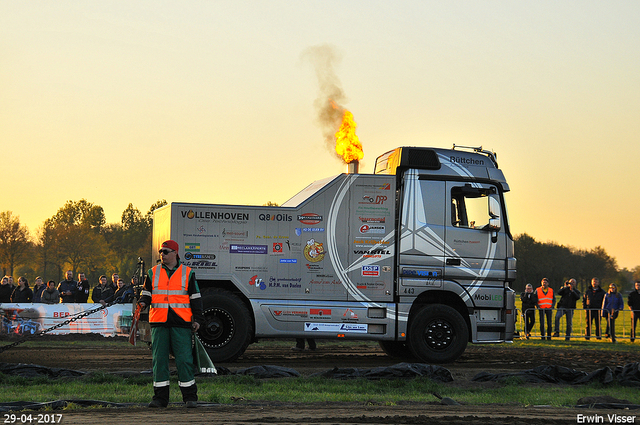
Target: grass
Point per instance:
(238, 389)
(230, 389)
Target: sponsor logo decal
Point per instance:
(215, 215)
(367, 228)
(191, 247)
(275, 217)
(277, 247)
(314, 251)
(371, 199)
(288, 261)
(487, 297)
(379, 220)
(192, 256)
(257, 282)
(247, 249)
(309, 219)
(371, 271)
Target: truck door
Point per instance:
(422, 233)
(475, 243)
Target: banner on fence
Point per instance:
(28, 319)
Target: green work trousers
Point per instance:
(178, 341)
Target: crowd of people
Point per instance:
(596, 303)
(67, 291)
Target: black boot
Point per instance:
(190, 395)
(160, 397)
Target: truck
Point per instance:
(417, 256)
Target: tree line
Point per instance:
(560, 263)
(78, 238)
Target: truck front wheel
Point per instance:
(228, 327)
(437, 334)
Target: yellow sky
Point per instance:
(210, 101)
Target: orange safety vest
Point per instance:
(170, 292)
(545, 300)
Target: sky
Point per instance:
(213, 102)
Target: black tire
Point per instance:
(437, 334)
(397, 349)
(228, 328)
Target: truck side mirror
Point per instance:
(494, 212)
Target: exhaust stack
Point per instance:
(353, 167)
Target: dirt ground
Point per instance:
(330, 354)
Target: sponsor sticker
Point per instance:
(336, 327)
(371, 271)
(370, 228)
(309, 219)
(247, 249)
(192, 247)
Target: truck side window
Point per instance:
(470, 207)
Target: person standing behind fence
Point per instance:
(545, 306)
(611, 305)
(634, 305)
(51, 294)
(102, 291)
(68, 288)
(38, 288)
(82, 292)
(569, 295)
(529, 303)
(22, 293)
(592, 303)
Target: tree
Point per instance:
(73, 238)
(14, 241)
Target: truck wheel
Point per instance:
(437, 334)
(396, 349)
(228, 327)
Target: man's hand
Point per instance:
(195, 326)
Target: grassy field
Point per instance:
(234, 389)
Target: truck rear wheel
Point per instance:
(437, 334)
(228, 327)
(396, 349)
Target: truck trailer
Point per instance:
(417, 256)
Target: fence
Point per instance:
(623, 324)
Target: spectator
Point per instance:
(51, 294)
(300, 344)
(102, 291)
(611, 305)
(68, 288)
(569, 295)
(634, 306)
(5, 290)
(592, 303)
(82, 291)
(545, 306)
(38, 288)
(114, 282)
(22, 293)
(529, 303)
(124, 292)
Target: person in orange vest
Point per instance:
(172, 293)
(546, 300)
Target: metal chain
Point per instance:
(59, 325)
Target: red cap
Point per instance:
(173, 245)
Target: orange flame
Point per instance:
(348, 145)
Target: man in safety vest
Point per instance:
(546, 301)
(171, 291)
